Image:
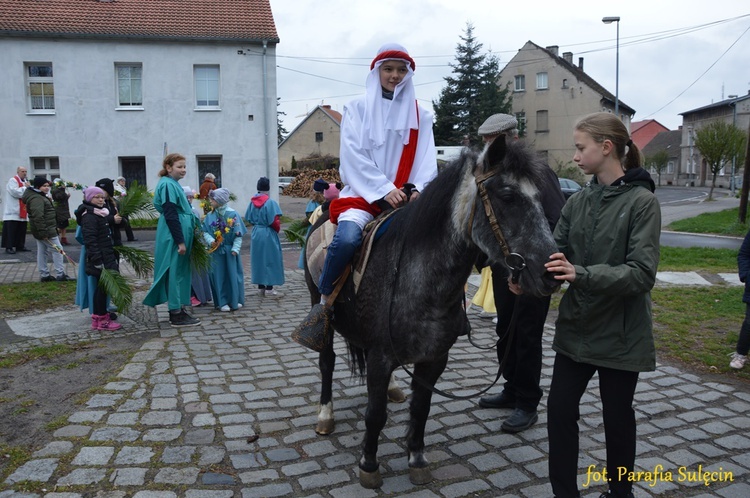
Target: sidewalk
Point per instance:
(177, 421)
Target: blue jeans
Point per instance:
(346, 240)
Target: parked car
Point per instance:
(568, 187)
(284, 182)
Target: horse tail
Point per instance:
(358, 363)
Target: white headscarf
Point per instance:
(401, 115)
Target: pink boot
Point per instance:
(95, 322)
(106, 324)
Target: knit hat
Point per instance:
(264, 184)
(119, 178)
(320, 185)
(220, 195)
(332, 192)
(108, 185)
(90, 192)
(189, 192)
(39, 181)
(498, 123)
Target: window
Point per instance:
(46, 166)
(670, 167)
(40, 87)
(134, 170)
(209, 164)
(565, 83)
(542, 121)
(520, 85)
(318, 136)
(206, 87)
(541, 81)
(129, 85)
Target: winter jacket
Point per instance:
(743, 264)
(62, 208)
(97, 237)
(610, 233)
(41, 214)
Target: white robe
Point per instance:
(370, 173)
(12, 209)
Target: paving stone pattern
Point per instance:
(178, 418)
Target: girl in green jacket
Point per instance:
(608, 237)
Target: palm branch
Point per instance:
(138, 202)
(141, 261)
(117, 288)
(199, 257)
(297, 231)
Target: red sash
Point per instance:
(21, 206)
(405, 165)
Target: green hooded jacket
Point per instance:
(611, 234)
(42, 220)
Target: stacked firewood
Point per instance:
(302, 183)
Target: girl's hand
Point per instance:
(395, 198)
(118, 219)
(181, 249)
(414, 195)
(559, 264)
(234, 253)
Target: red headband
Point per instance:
(393, 54)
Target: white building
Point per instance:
(104, 88)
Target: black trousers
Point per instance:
(99, 301)
(14, 234)
(128, 230)
(524, 365)
(617, 388)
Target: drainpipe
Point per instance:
(265, 110)
(734, 158)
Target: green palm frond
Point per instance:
(200, 260)
(297, 231)
(117, 288)
(138, 202)
(141, 261)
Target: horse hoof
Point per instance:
(420, 476)
(396, 395)
(325, 427)
(370, 480)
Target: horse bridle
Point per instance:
(515, 262)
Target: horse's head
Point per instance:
(506, 220)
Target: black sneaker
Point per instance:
(48, 278)
(182, 319)
(64, 278)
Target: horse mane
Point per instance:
(437, 200)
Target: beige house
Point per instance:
(695, 172)
(550, 94)
(318, 134)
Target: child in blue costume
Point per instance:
(266, 261)
(227, 278)
(174, 240)
(316, 199)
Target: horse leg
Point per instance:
(395, 394)
(419, 410)
(326, 362)
(378, 375)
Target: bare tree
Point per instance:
(718, 142)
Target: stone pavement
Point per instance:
(181, 419)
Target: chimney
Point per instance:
(554, 49)
(568, 57)
(326, 106)
(580, 63)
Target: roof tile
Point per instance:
(240, 20)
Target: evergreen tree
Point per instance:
(281, 132)
(471, 94)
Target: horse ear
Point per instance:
(495, 153)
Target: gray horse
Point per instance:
(408, 309)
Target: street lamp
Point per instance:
(610, 20)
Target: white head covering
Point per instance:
(401, 116)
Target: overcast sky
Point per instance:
(675, 55)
